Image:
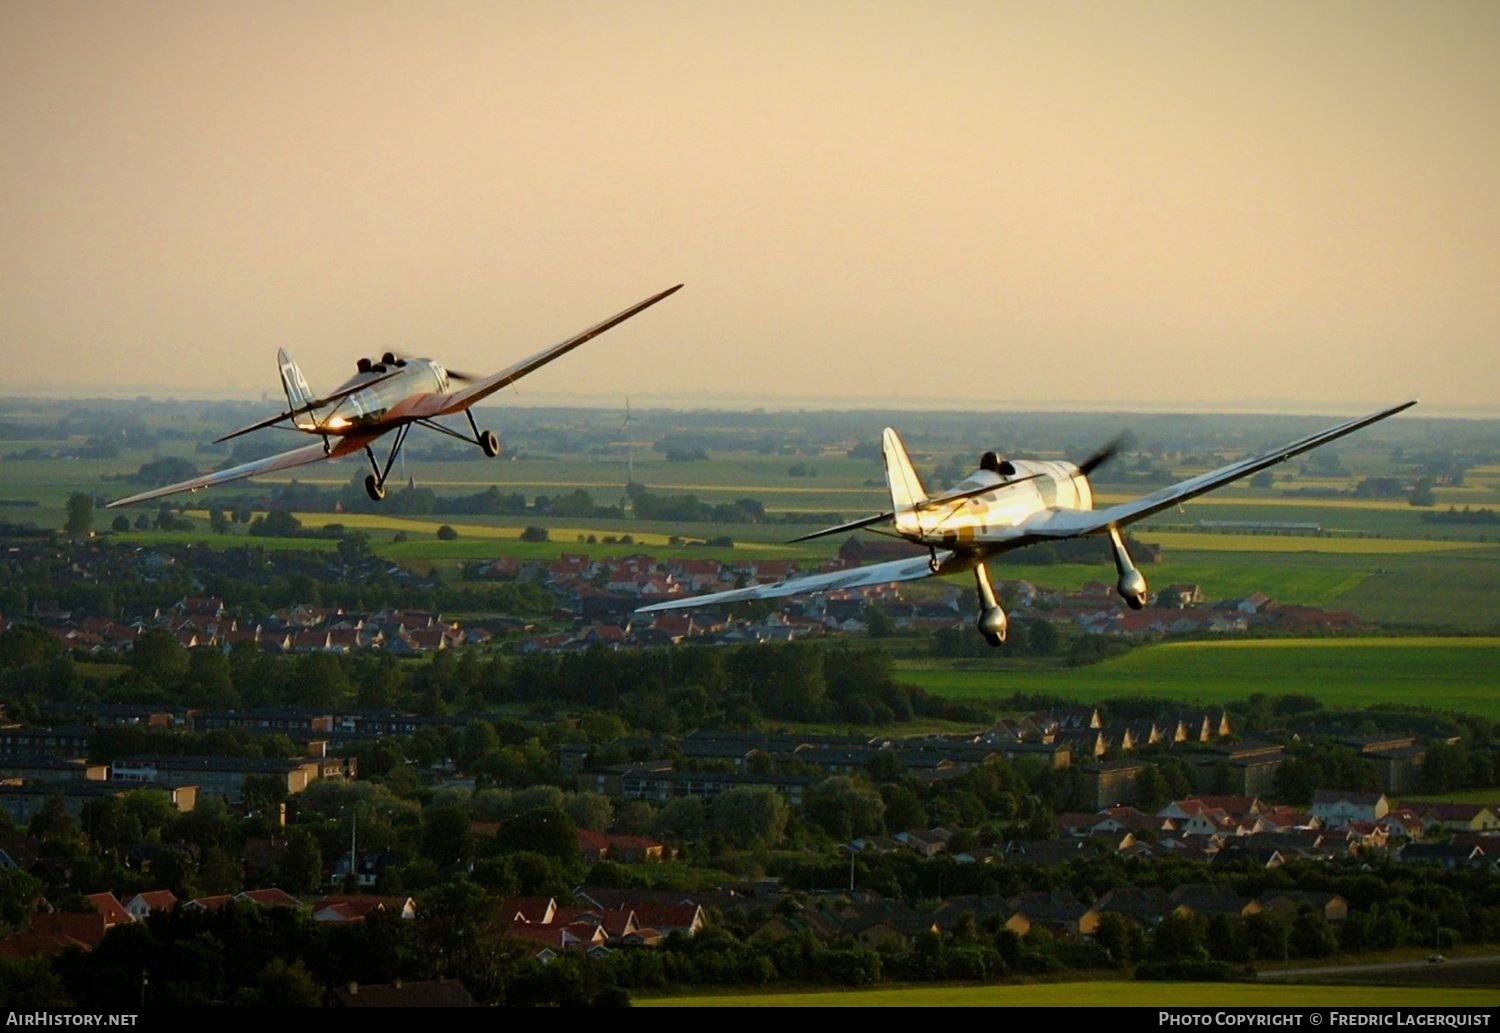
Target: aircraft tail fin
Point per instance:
(298, 395)
(907, 493)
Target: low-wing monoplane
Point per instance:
(387, 395)
(1006, 505)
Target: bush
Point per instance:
(1190, 971)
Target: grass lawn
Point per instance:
(1441, 673)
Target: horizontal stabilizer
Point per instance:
(316, 403)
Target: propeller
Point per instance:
(1105, 454)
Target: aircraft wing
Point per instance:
(911, 569)
(458, 401)
(1070, 523)
(283, 461)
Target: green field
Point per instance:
(1103, 995)
(1440, 673)
(1375, 557)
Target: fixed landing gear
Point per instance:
(488, 441)
(993, 623)
(375, 479)
(1132, 583)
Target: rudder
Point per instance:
(904, 484)
(298, 395)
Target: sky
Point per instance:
(1153, 205)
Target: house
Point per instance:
(1335, 807)
(1058, 913)
(874, 924)
(142, 904)
(1144, 905)
(597, 846)
(85, 927)
(1286, 903)
(339, 908)
(1443, 855)
(528, 910)
(216, 902)
(1459, 817)
(271, 896)
(1203, 898)
(666, 919)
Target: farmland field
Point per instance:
(1373, 557)
(1440, 673)
(1102, 994)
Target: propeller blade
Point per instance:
(1104, 454)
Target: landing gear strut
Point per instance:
(486, 440)
(375, 480)
(992, 620)
(1132, 583)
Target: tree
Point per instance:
(300, 869)
(682, 820)
(278, 523)
(158, 655)
(446, 838)
(479, 740)
(447, 533)
(80, 513)
(545, 831)
(534, 534)
(24, 644)
(593, 811)
(843, 809)
(1178, 938)
(120, 523)
(285, 984)
(878, 622)
(1120, 938)
(18, 895)
(749, 816)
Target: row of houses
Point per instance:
(50, 931)
(30, 783)
(879, 923)
(599, 921)
(198, 623)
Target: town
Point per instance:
(577, 806)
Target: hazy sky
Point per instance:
(1157, 205)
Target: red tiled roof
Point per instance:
(107, 905)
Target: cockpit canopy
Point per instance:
(995, 464)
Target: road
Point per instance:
(1467, 970)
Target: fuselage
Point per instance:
(991, 521)
(391, 393)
